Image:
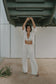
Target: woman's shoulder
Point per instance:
(34, 29)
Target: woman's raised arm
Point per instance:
(25, 23)
(33, 22)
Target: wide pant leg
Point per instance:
(24, 60)
(34, 65)
(28, 50)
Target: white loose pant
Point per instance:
(28, 50)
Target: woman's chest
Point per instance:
(28, 37)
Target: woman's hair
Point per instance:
(30, 27)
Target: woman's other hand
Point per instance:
(28, 19)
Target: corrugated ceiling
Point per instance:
(42, 11)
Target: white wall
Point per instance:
(0, 42)
(4, 33)
(45, 43)
(0, 28)
(16, 42)
(11, 39)
(5, 40)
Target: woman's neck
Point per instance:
(28, 32)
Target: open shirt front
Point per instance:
(31, 37)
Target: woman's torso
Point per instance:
(31, 37)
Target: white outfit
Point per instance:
(28, 50)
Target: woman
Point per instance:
(28, 47)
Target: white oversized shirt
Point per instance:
(31, 37)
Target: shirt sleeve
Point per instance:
(34, 29)
(23, 30)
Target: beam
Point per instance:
(6, 9)
(28, 9)
(5, 5)
(29, 13)
(20, 24)
(17, 17)
(53, 13)
(30, 0)
(30, 5)
(11, 0)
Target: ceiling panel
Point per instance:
(42, 11)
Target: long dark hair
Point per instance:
(30, 27)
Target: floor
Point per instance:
(47, 72)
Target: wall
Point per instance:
(0, 42)
(0, 28)
(11, 39)
(45, 42)
(4, 33)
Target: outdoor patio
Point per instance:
(47, 72)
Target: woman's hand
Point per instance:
(27, 19)
(33, 22)
(31, 18)
(25, 22)
(28, 42)
(25, 42)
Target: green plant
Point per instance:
(5, 71)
